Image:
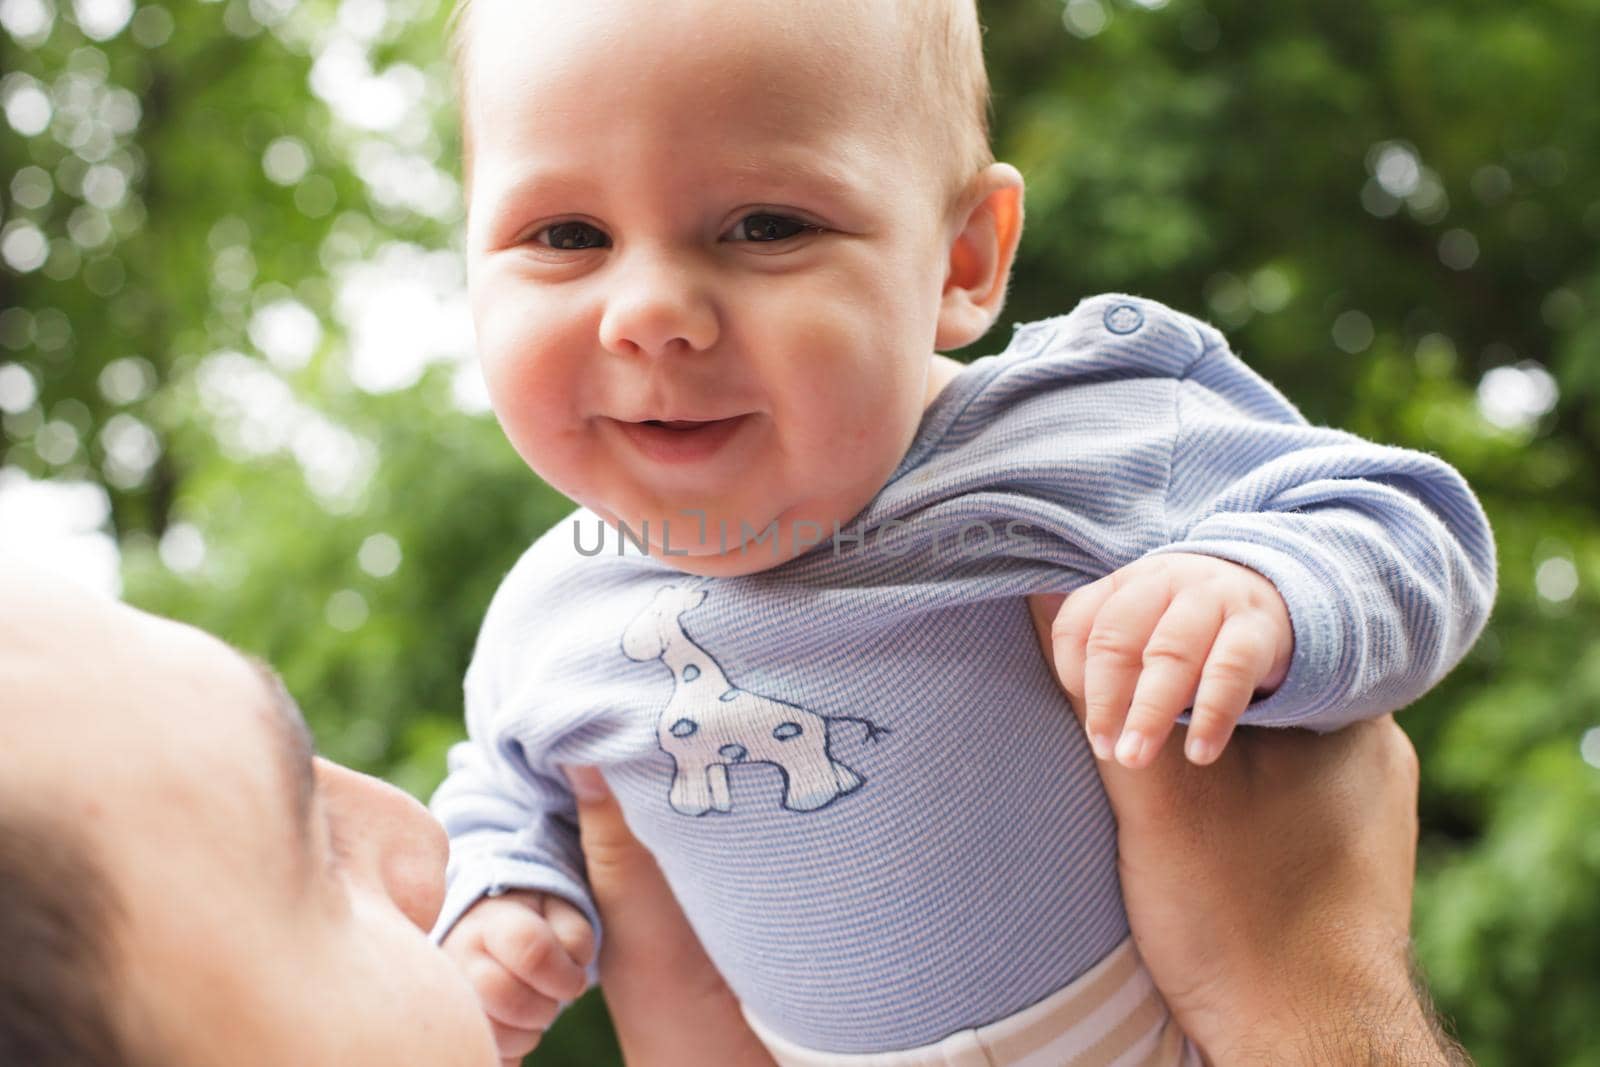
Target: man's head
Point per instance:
(181, 882)
(713, 247)
(58, 1004)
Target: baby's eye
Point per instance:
(765, 228)
(572, 236)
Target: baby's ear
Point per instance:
(988, 226)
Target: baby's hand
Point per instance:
(1165, 633)
(524, 954)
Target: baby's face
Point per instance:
(706, 259)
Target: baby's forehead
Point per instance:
(828, 22)
(918, 61)
(836, 35)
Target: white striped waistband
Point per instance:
(1111, 1016)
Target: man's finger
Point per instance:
(612, 854)
(629, 888)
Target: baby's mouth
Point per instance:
(681, 440)
(682, 424)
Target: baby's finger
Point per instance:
(507, 999)
(1114, 656)
(572, 930)
(1209, 733)
(513, 1045)
(527, 947)
(1171, 664)
(1069, 631)
(1240, 656)
(464, 941)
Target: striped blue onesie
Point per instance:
(855, 768)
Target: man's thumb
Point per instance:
(588, 784)
(610, 851)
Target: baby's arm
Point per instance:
(1379, 560)
(1382, 555)
(517, 918)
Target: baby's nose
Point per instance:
(658, 310)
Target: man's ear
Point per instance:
(988, 227)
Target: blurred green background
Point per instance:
(235, 375)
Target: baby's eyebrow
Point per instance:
(800, 172)
(780, 175)
(293, 750)
(540, 185)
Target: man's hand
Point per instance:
(668, 1002)
(1270, 894)
(1299, 855)
(525, 955)
(1162, 634)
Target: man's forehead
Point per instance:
(39, 604)
(55, 640)
(87, 676)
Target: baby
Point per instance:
(714, 247)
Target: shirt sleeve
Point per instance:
(511, 818)
(1383, 555)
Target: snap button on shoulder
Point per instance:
(1123, 318)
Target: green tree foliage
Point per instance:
(1391, 207)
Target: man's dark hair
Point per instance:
(57, 969)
